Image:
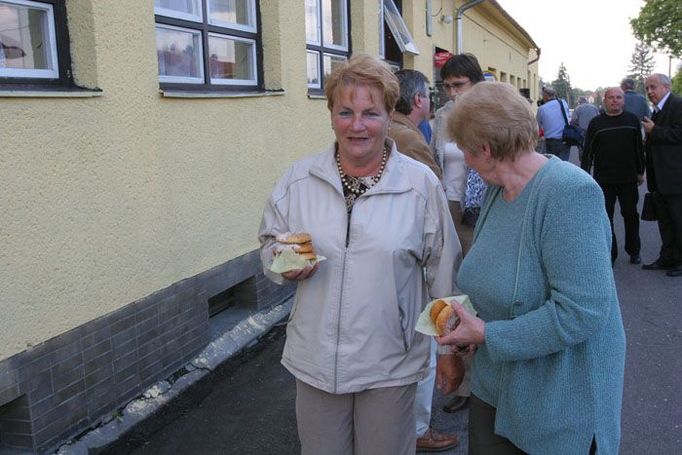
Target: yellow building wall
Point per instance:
(106, 199)
(485, 34)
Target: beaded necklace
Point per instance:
(355, 185)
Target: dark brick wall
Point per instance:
(65, 385)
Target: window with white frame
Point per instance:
(327, 38)
(208, 44)
(34, 46)
(394, 36)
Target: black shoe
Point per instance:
(635, 259)
(675, 271)
(455, 404)
(658, 264)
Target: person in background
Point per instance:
(583, 113)
(613, 146)
(463, 186)
(552, 122)
(664, 170)
(459, 74)
(547, 376)
(412, 108)
(634, 102)
(380, 219)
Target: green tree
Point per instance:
(598, 100)
(562, 85)
(677, 82)
(641, 65)
(658, 25)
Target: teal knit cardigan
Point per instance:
(554, 354)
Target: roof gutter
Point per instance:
(459, 14)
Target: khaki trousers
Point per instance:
(372, 422)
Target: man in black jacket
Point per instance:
(613, 145)
(664, 170)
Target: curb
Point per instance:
(113, 426)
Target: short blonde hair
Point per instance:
(493, 113)
(362, 69)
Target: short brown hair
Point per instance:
(362, 69)
(493, 113)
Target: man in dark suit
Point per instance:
(664, 170)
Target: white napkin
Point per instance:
(288, 260)
(426, 326)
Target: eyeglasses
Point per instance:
(455, 85)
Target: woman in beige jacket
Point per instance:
(381, 220)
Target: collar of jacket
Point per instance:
(403, 120)
(393, 180)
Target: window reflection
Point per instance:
(185, 7)
(331, 62)
(312, 23)
(230, 58)
(179, 53)
(313, 69)
(24, 38)
(334, 22)
(231, 12)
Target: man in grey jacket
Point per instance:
(583, 113)
(634, 102)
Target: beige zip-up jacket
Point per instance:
(351, 327)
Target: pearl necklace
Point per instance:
(360, 189)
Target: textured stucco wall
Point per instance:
(108, 199)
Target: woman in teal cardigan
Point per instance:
(550, 347)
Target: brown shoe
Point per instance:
(433, 441)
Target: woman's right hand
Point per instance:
(301, 274)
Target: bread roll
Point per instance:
(436, 308)
(443, 319)
(294, 237)
(306, 247)
(440, 314)
(300, 242)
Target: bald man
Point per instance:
(613, 150)
(664, 170)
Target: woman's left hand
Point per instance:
(470, 330)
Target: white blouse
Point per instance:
(454, 172)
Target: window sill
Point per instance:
(314, 96)
(217, 94)
(49, 93)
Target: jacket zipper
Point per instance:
(338, 319)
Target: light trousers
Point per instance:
(424, 397)
(372, 422)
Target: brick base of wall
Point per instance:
(55, 390)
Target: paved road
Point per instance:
(247, 406)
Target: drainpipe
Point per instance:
(537, 49)
(460, 13)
